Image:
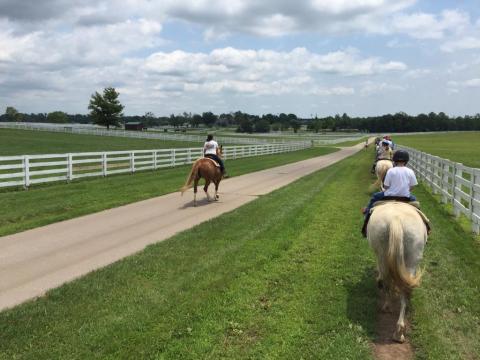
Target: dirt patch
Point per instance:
(384, 348)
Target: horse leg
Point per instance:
(382, 283)
(195, 184)
(216, 190)
(399, 334)
(205, 188)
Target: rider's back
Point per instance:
(211, 147)
(399, 180)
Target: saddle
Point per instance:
(213, 161)
(394, 199)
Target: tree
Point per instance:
(149, 119)
(245, 125)
(13, 114)
(209, 118)
(176, 121)
(106, 110)
(58, 117)
(262, 126)
(293, 122)
(196, 120)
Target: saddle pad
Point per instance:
(214, 162)
(415, 204)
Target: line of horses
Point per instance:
(396, 232)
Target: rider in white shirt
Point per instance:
(211, 150)
(398, 183)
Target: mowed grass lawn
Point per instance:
(44, 204)
(27, 142)
(463, 147)
(287, 276)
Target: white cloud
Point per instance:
(418, 73)
(370, 88)
(175, 75)
(94, 45)
(454, 86)
(472, 83)
(430, 26)
(272, 18)
(465, 43)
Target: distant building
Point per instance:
(137, 126)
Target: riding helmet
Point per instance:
(401, 155)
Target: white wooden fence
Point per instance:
(88, 129)
(26, 170)
(75, 129)
(457, 184)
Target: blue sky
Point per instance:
(362, 57)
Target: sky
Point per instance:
(308, 57)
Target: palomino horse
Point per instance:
(397, 234)
(207, 169)
(381, 170)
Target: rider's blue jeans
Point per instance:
(217, 159)
(379, 196)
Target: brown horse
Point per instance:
(204, 168)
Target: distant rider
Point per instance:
(384, 152)
(211, 150)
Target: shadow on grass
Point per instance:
(362, 301)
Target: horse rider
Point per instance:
(398, 184)
(390, 142)
(384, 152)
(211, 150)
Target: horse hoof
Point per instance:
(217, 197)
(380, 284)
(398, 335)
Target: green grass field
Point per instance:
(44, 204)
(23, 142)
(461, 147)
(287, 276)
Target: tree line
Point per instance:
(106, 110)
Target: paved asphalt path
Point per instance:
(34, 261)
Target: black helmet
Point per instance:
(401, 155)
(209, 137)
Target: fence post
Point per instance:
(104, 164)
(173, 157)
(69, 167)
(456, 212)
(132, 162)
(154, 157)
(189, 156)
(26, 171)
(475, 201)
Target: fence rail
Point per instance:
(26, 170)
(457, 184)
(245, 139)
(72, 128)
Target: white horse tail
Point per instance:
(191, 177)
(398, 272)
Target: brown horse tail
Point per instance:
(191, 177)
(402, 279)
